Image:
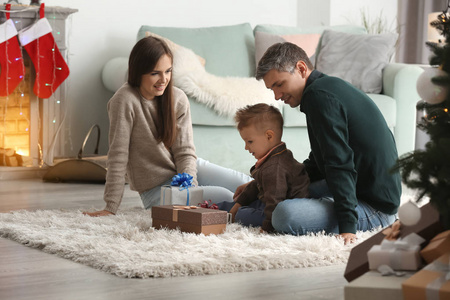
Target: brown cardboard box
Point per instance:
(189, 219)
(437, 247)
(428, 226)
(429, 283)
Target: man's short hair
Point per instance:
(261, 115)
(282, 57)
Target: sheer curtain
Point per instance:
(412, 27)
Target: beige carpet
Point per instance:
(127, 246)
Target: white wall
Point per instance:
(339, 12)
(102, 29)
(349, 11)
(313, 13)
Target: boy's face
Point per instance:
(257, 142)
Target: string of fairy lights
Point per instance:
(19, 98)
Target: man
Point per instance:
(352, 150)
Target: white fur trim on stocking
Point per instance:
(8, 31)
(35, 31)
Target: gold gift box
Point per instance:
(438, 246)
(429, 283)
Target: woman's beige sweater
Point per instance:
(134, 149)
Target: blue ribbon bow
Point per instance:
(184, 181)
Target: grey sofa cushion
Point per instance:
(356, 58)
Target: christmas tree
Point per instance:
(428, 170)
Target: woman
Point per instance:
(150, 135)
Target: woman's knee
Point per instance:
(217, 194)
(214, 175)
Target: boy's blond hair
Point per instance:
(262, 116)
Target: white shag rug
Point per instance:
(127, 246)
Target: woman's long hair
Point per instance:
(143, 59)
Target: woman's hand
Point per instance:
(100, 213)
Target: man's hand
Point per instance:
(239, 190)
(348, 237)
(100, 213)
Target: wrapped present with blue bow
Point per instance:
(401, 254)
(181, 191)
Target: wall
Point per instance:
(349, 11)
(338, 12)
(102, 29)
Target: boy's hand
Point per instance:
(239, 190)
(99, 213)
(234, 210)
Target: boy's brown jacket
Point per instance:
(277, 178)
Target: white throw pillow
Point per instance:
(356, 58)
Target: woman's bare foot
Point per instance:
(100, 213)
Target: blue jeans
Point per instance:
(302, 216)
(218, 184)
(250, 216)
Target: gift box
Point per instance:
(401, 254)
(428, 226)
(432, 282)
(373, 286)
(175, 195)
(190, 219)
(438, 246)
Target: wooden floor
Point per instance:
(27, 273)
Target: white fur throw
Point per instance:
(127, 245)
(223, 94)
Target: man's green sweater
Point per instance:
(351, 147)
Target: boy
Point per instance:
(277, 175)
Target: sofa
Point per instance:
(228, 55)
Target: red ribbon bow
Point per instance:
(208, 204)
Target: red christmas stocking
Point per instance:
(51, 68)
(11, 62)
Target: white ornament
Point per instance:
(427, 90)
(409, 213)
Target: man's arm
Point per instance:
(327, 121)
